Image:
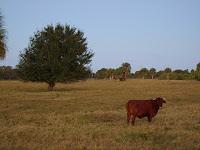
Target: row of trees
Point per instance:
(8, 73)
(166, 74)
(144, 73)
(123, 72)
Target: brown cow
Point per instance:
(143, 108)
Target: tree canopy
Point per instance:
(56, 54)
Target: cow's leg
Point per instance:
(133, 120)
(149, 118)
(128, 117)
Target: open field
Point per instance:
(91, 115)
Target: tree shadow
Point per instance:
(56, 89)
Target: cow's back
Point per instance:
(139, 108)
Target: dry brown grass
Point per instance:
(91, 115)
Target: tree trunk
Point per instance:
(125, 75)
(151, 76)
(51, 86)
(167, 76)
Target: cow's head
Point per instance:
(160, 101)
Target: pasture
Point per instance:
(92, 115)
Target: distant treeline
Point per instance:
(8, 73)
(167, 74)
(124, 72)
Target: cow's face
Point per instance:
(160, 101)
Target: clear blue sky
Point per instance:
(145, 33)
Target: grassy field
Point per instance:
(91, 115)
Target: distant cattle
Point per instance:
(143, 108)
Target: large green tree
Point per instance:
(56, 54)
(2, 39)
